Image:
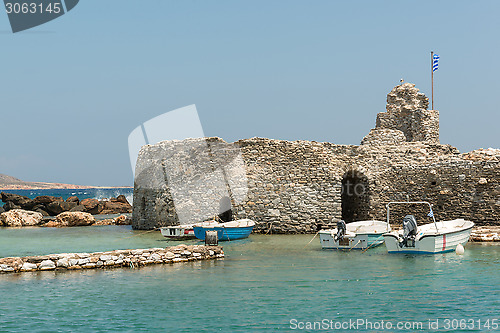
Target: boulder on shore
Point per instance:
(46, 199)
(92, 206)
(19, 200)
(79, 208)
(122, 220)
(121, 198)
(115, 207)
(52, 224)
(73, 199)
(40, 209)
(119, 220)
(20, 218)
(53, 206)
(73, 219)
(57, 207)
(10, 205)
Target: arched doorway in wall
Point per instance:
(355, 197)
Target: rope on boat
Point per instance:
(312, 239)
(225, 231)
(354, 246)
(374, 242)
(270, 226)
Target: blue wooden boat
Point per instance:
(227, 231)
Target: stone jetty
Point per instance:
(111, 259)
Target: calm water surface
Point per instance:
(263, 283)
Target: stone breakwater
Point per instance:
(111, 259)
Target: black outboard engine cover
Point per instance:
(409, 231)
(341, 228)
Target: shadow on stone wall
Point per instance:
(355, 196)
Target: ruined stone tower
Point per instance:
(299, 186)
(407, 118)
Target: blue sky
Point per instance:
(73, 89)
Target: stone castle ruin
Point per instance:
(301, 186)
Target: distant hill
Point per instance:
(7, 180)
(12, 183)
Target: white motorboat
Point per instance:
(355, 235)
(436, 237)
(184, 231)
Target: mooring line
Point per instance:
(270, 226)
(372, 243)
(312, 239)
(354, 246)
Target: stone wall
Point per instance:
(110, 259)
(195, 174)
(294, 187)
(300, 186)
(458, 186)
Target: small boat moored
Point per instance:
(355, 235)
(436, 237)
(184, 231)
(226, 231)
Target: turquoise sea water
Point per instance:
(265, 283)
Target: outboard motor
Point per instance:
(409, 231)
(341, 228)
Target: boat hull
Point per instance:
(359, 235)
(178, 232)
(224, 233)
(430, 243)
(358, 242)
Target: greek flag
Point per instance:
(431, 214)
(435, 61)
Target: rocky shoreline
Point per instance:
(111, 259)
(24, 218)
(53, 206)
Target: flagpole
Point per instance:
(432, 80)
